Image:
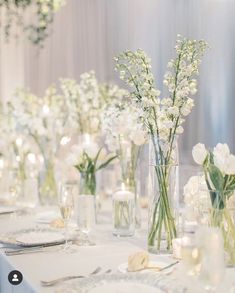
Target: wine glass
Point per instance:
(66, 205)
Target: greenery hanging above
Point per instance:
(32, 17)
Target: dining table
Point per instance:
(104, 251)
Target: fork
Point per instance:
(63, 279)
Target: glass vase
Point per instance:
(88, 187)
(223, 217)
(128, 155)
(164, 196)
(47, 182)
(163, 209)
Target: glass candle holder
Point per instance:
(123, 213)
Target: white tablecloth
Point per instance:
(109, 253)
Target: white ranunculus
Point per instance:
(221, 154)
(199, 153)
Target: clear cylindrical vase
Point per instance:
(47, 183)
(123, 213)
(163, 208)
(129, 155)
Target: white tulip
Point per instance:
(199, 153)
(91, 149)
(230, 166)
(221, 154)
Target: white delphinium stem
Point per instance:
(163, 118)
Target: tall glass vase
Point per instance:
(164, 198)
(129, 154)
(47, 181)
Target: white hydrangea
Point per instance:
(196, 194)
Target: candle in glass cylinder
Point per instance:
(123, 213)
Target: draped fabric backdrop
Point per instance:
(87, 34)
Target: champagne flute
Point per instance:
(66, 205)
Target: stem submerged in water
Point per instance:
(162, 220)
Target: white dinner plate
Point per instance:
(123, 268)
(39, 238)
(8, 209)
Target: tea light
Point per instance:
(122, 195)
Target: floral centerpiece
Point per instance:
(43, 120)
(16, 13)
(124, 135)
(219, 170)
(88, 158)
(86, 101)
(163, 120)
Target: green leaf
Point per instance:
(106, 163)
(216, 177)
(97, 156)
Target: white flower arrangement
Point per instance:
(88, 158)
(164, 117)
(219, 170)
(222, 158)
(86, 101)
(42, 118)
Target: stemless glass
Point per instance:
(66, 205)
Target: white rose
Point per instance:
(221, 154)
(199, 153)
